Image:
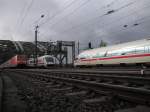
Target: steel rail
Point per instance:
(119, 72)
(138, 95)
(138, 80)
(129, 79)
(1, 92)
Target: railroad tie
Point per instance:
(1, 92)
(96, 104)
(80, 93)
(53, 86)
(96, 100)
(136, 109)
(62, 90)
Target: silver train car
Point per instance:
(42, 61)
(136, 52)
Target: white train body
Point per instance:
(127, 53)
(42, 61)
(31, 62)
(46, 60)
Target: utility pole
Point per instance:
(36, 31)
(73, 52)
(78, 47)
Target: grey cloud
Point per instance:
(90, 22)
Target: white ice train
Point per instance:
(136, 52)
(42, 61)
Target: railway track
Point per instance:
(134, 89)
(92, 92)
(1, 93)
(125, 72)
(118, 77)
(9, 99)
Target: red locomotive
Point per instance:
(16, 61)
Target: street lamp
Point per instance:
(36, 31)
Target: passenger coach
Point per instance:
(42, 61)
(136, 52)
(15, 61)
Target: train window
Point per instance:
(140, 50)
(85, 56)
(49, 59)
(88, 56)
(76, 59)
(109, 54)
(21, 57)
(128, 51)
(82, 58)
(31, 61)
(114, 53)
(146, 48)
(123, 53)
(98, 55)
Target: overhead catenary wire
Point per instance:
(77, 8)
(19, 17)
(98, 17)
(92, 21)
(80, 6)
(57, 14)
(129, 28)
(111, 23)
(138, 22)
(26, 13)
(70, 4)
(18, 21)
(107, 13)
(132, 26)
(22, 16)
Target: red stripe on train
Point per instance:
(117, 57)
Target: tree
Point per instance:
(103, 44)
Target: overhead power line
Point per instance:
(22, 16)
(57, 14)
(113, 11)
(26, 13)
(80, 6)
(98, 17)
(121, 31)
(137, 21)
(113, 22)
(77, 8)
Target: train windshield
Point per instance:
(49, 59)
(21, 57)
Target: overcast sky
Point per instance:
(113, 21)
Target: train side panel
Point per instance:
(16, 61)
(126, 53)
(117, 60)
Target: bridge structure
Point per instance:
(58, 49)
